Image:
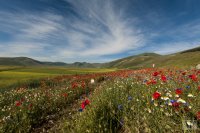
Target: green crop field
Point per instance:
(13, 75)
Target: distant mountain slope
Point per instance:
(84, 65)
(192, 50)
(19, 61)
(180, 59)
(141, 60)
(24, 61)
(189, 57)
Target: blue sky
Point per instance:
(96, 30)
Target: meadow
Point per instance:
(14, 76)
(147, 100)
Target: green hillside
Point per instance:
(24, 61)
(191, 50)
(182, 59)
(19, 61)
(138, 61)
(185, 59)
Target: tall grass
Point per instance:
(126, 105)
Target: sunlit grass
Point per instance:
(8, 78)
(17, 75)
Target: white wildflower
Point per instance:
(190, 95)
(176, 95)
(165, 98)
(181, 100)
(92, 81)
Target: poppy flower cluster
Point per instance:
(19, 102)
(84, 104)
(162, 93)
(74, 85)
(193, 77)
(51, 95)
(155, 74)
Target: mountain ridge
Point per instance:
(184, 58)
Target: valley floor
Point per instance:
(15, 76)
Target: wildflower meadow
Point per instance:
(146, 100)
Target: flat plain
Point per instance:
(16, 75)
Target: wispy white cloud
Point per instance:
(98, 29)
(93, 31)
(103, 30)
(24, 26)
(21, 48)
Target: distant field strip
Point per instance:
(16, 75)
(8, 78)
(7, 68)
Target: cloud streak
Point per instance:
(102, 30)
(24, 26)
(93, 31)
(96, 29)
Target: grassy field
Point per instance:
(126, 101)
(4, 68)
(13, 75)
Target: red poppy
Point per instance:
(175, 104)
(198, 115)
(87, 102)
(163, 78)
(156, 95)
(198, 72)
(193, 77)
(153, 81)
(179, 91)
(148, 83)
(198, 87)
(18, 103)
(74, 85)
(83, 105)
(155, 74)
